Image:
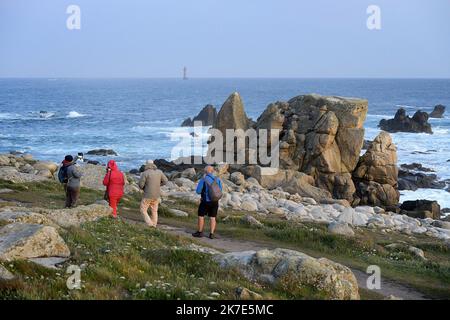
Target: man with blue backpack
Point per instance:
(210, 189)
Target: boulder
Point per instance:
(237, 178)
(438, 111)
(341, 229)
(331, 280)
(246, 294)
(376, 174)
(4, 160)
(24, 241)
(178, 213)
(207, 116)
(5, 274)
(421, 209)
(76, 216)
(93, 178)
(189, 173)
(46, 166)
(403, 123)
(415, 167)
(250, 220)
(11, 174)
(102, 152)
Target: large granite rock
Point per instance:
(403, 123)
(207, 116)
(12, 174)
(102, 152)
(322, 137)
(376, 174)
(231, 116)
(438, 111)
(329, 279)
(25, 241)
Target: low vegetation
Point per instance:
(122, 260)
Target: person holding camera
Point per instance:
(114, 182)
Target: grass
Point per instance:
(140, 267)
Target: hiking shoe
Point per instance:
(197, 234)
(212, 236)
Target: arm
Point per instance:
(219, 182)
(200, 186)
(106, 179)
(142, 180)
(76, 173)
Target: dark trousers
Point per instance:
(72, 195)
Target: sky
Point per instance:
(225, 38)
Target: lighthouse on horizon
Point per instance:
(185, 73)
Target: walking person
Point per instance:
(70, 176)
(151, 181)
(114, 182)
(210, 189)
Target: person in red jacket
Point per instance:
(114, 181)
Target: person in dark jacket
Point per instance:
(72, 182)
(114, 182)
(207, 207)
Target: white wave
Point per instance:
(8, 116)
(439, 195)
(75, 114)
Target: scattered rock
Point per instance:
(331, 279)
(403, 123)
(6, 190)
(438, 111)
(102, 152)
(251, 221)
(415, 167)
(51, 262)
(246, 294)
(414, 180)
(5, 274)
(178, 213)
(24, 241)
(341, 229)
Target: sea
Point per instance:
(140, 118)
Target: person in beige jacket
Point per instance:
(151, 181)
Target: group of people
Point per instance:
(209, 188)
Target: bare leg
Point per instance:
(201, 223)
(213, 225)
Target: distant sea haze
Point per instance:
(137, 117)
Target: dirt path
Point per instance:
(388, 287)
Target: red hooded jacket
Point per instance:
(114, 180)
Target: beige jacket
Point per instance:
(151, 181)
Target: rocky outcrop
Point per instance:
(320, 136)
(298, 270)
(23, 168)
(421, 209)
(102, 152)
(403, 123)
(408, 180)
(438, 111)
(207, 116)
(376, 174)
(5, 274)
(24, 241)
